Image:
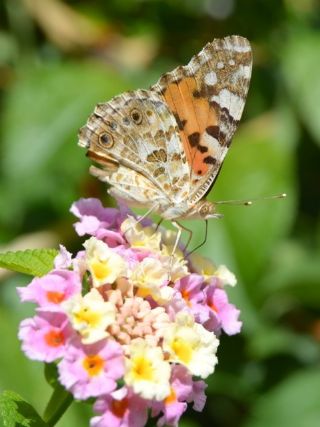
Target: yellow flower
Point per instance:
(206, 268)
(90, 315)
(104, 264)
(149, 277)
(190, 344)
(146, 371)
(139, 236)
(225, 275)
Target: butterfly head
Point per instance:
(202, 210)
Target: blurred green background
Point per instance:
(57, 60)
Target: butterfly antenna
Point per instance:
(250, 202)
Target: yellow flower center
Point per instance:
(182, 349)
(100, 269)
(93, 364)
(171, 398)
(87, 316)
(143, 292)
(186, 296)
(142, 369)
(138, 244)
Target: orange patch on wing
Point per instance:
(197, 113)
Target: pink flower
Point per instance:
(190, 288)
(121, 408)
(98, 221)
(63, 259)
(183, 390)
(44, 337)
(91, 370)
(223, 315)
(51, 290)
(127, 312)
(94, 217)
(198, 396)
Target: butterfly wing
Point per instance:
(207, 97)
(136, 140)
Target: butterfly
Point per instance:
(163, 148)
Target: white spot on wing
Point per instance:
(241, 49)
(220, 65)
(243, 72)
(246, 71)
(210, 78)
(214, 148)
(232, 102)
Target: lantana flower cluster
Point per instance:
(129, 323)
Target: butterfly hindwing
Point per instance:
(137, 132)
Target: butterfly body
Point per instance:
(162, 148)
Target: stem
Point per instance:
(57, 405)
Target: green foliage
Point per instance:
(16, 412)
(36, 262)
(52, 75)
(285, 406)
(300, 61)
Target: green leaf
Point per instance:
(275, 340)
(16, 412)
(294, 403)
(301, 69)
(294, 270)
(36, 262)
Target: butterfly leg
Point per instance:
(149, 211)
(190, 235)
(203, 242)
(159, 223)
(179, 228)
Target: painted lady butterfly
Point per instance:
(162, 148)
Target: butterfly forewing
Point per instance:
(207, 98)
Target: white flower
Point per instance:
(206, 268)
(90, 315)
(177, 267)
(190, 344)
(150, 278)
(226, 276)
(139, 236)
(103, 263)
(146, 371)
(202, 265)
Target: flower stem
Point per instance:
(57, 405)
